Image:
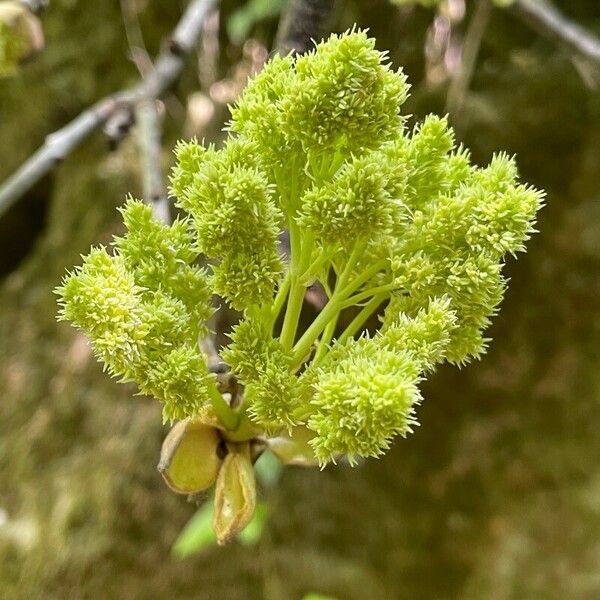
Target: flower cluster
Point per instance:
(386, 219)
(144, 308)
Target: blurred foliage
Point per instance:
(240, 23)
(197, 534)
(497, 495)
(434, 3)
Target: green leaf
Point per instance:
(241, 21)
(253, 531)
(197, 535)
(268, 469)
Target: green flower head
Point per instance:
(386, 220)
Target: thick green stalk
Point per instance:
(301, 253)
(301, 413)
(325, 339)
(245, 430)
(292, 313)
(228, 417)
(280, 298)
(300, 350)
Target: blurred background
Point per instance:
(495, 496)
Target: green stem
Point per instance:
(246, 430)
(352, 260)
(342, 280)
(292, 314)
(368, 293)
(312, 269)
(361, 318)
(325, 339)
(332, 308)
(281, 297)
(364, 277)
(301, 253)
(228, 417)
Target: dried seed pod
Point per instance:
(235, 494)
(189, 460)
(293, 448)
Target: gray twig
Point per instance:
(303, 22)
(545, 18)
(58, 145)
(35, 6)
(470, 51)
(135, 38)
(149, 141)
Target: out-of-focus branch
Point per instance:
(149, 141)
(545, 18)
(58, 145)
(35, 6)
(472, 43)
(303, 22)
(135, 38)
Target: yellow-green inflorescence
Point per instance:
(387, 219)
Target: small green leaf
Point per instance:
(268, 469)
(198, 533)
(253, 531)
(241, 21)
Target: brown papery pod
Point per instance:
(235, 493)
(189, 460)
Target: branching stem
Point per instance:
(228, 417)
(281, 297)
(357, 298)
(367, 274)
(361, 318)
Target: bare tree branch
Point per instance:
(545, 18)
(470, 51)
(149, 141)
(135, 38)
(35, 6)
(303, 22)
(167, 69)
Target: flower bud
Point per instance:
(189, 462)
(235, 494)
